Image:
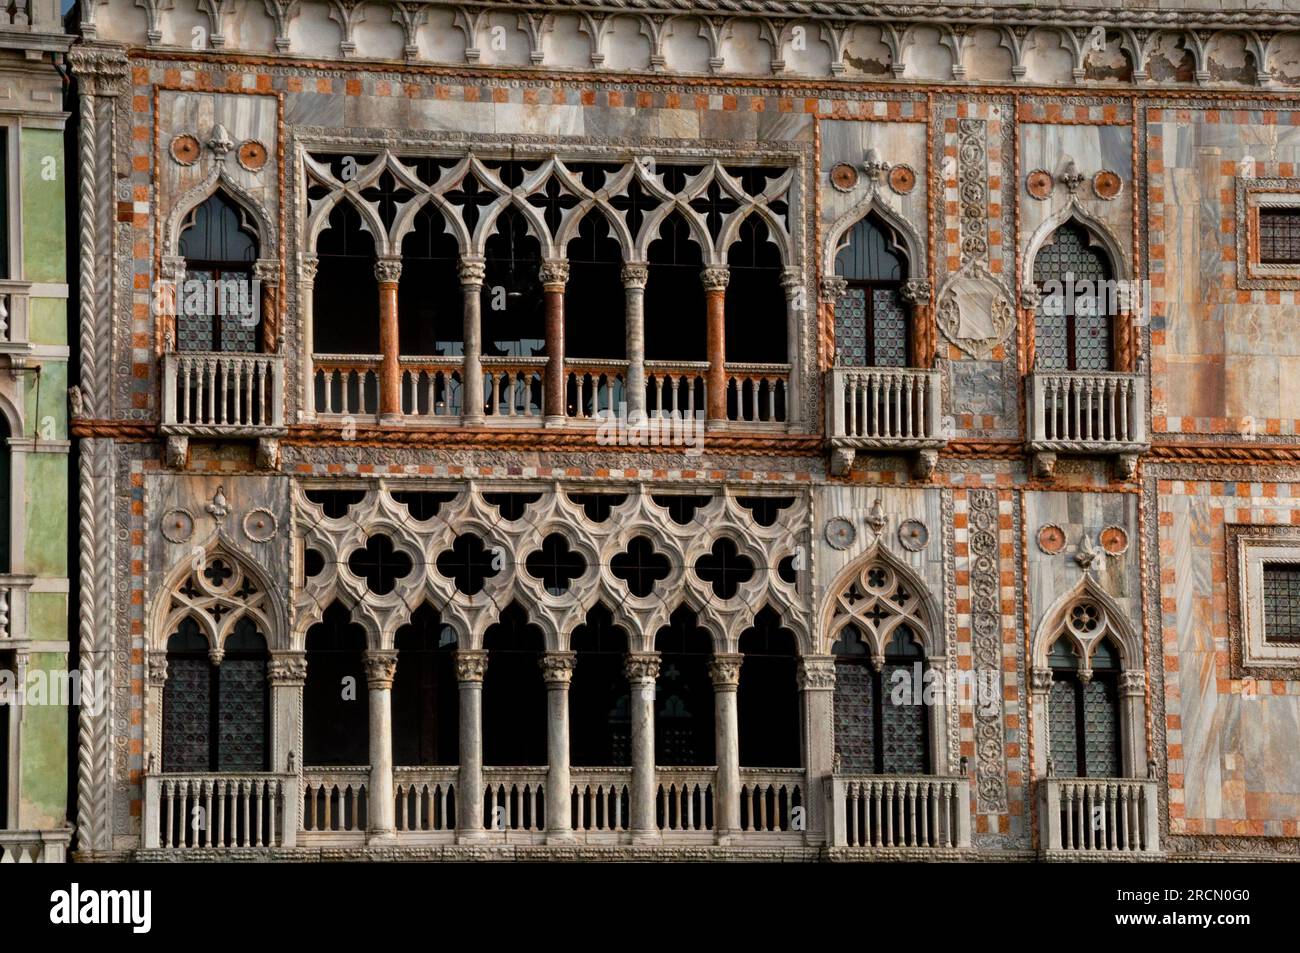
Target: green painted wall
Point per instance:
(44, 238)
(43, 773)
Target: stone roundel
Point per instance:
(185, 149)
(1040, 183)
(902, 179)
(840, 532)
(1114, 540)
(260, 524)
(252, 155)
(176, 525)
(1051, 539)
(844, 177)
(913, 535)
(1107, 184)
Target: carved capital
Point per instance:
(267, 271)
(472, 271)
(1030, 297)
(381, 666)
(471, 665)
(287, 668)
(833, 288)
(641, 667)
(725, 671)
(388, 270)
(816, 673)
(307, 268)
(101, 72)
(1041, 681)
(792, 281)
(715, 277)
(155, 669)
(557, 668)
(553, 274)
(1133, 682)
(635, 275)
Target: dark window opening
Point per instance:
(684, 714)
(215, 716)
(881, 723)
(423, 505)
(6, 665)
(6, 464)
(345, 296)
(513, 321)
(675, 328)
(514, 695)
(1083, 716)
(765, 509)
(512, 506)
(600, 720)
(767, 706)
(755, 310)
(388, 195)
(469, 562)
(555, 564)
(380, 564)
(640, 567)
(313, 562)
(335, 503)
(217, 307)
(598, 506)
(430, 311)
(336, 710)
(426, 702)
(1282, 603)
(1072, 327)
(1279, 236)
(4, 222)
(681, 507)
(594, 325)
(725, 568)
(871, 320)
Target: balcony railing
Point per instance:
(594, 389)
(1087, 412)
(426, 798)
(34, 847)
(223, 393)
(758, 393)
(514, 799)
(14, 302)
(900, 811)
(220, 811)
(514, 387)
(335, 799)
(771, 799)
(431, 388)
(601, 799)
(685, 800)
(885, 408)
(13, 607)
(1100, 816)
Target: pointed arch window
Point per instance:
(872, 323)
(217, 307)
(215, 703)
(1072, 329)
(1084, 704)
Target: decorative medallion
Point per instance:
(975, 311)
(1107, 184)
(844, 177)
(176, 525)
(260, 524)
(1114, 541)
(1051, 539)
(902, 179)
(186, 149)
(840, 533)
(1040, 183)
(252, 155)
(913, 535)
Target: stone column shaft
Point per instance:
(553, 276)
(816, 680)
(715, 280)
(380, 669)
(725, 672)
(472, 273)
(557, 672)
(635, 276)
(306, 296)
(389, 271)
(642, 670)
(470, 667)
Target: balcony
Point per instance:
(203, 811)
(1101, 818)
(14, 338)
(515, 391)
(1087, 412)
(900, 815)
(34, 847)
(224, 395)
(884, 409)
(13, 607)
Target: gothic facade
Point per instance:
(603, 430)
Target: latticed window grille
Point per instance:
(1083, 709)
(881, 724)
(1072, 327)
(871, 321)
(1282, 603)
(216, 305)
(1279, 235)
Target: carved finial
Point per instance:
(1071, 177)
(876, 518)
(218, 508)
(875, 166)
(220, 142)
(1087, 553)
